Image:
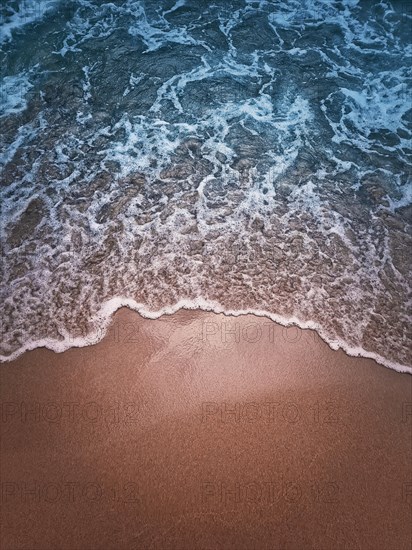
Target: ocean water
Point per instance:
(231, 155)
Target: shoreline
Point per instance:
(189, 431)
(104, 318)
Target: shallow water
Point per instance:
(235, 156)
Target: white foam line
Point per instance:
(104, 316)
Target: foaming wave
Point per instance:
(103, 318)
(240, 157)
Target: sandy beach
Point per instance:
(200, 431)
(231, 168)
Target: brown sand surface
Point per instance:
(200, 431)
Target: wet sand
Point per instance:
(200, 431)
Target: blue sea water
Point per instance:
(229, 155)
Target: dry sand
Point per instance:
(200, 431)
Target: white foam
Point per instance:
(178, 5)
(156, 34)
(258, 115)
(13, 91)
(103, 319)
(29, 11)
